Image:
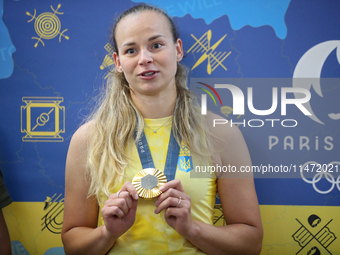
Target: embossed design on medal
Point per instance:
(148, 181)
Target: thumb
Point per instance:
(133, 209)
(134, 205)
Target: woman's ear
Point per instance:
(117, 62)
(179, 50)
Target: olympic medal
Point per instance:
(148, 181)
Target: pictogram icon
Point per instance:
(108, 60)
(42, 119)
(202, 45)
(219, 219)
(306, 235)
(52, 220)
(47, 25)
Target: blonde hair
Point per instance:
(117, 118)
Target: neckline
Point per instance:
(165, 121)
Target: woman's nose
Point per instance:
(145, 57)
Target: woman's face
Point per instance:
(148, 55)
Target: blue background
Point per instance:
(262, 46)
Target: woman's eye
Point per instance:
(157, 45)
(130, 51)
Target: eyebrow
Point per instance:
(150, 39)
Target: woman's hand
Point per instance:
(177, 206)
(119, 211)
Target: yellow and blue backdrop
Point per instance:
(53, 59)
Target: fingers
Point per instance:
(172, 189)
(169, 193)
(173, 202)
(130, 189)
(177, 207)
(114, 208)
(173, 196)
(174, 212)
(174, 184)
(124, 201)
(119, 204)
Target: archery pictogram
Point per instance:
(323, 236)
(215, 59)
(47, 25)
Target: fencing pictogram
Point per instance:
(47, 26)
(215, 59)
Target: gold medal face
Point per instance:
(148, 181)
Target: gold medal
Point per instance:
(148, 181)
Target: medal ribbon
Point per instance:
(171, 157)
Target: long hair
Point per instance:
(117, 118)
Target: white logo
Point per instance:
(307, 72)
(322, 172)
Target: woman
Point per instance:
(148, 93)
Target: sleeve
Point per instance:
(5, 199)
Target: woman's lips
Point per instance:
(148, 75)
